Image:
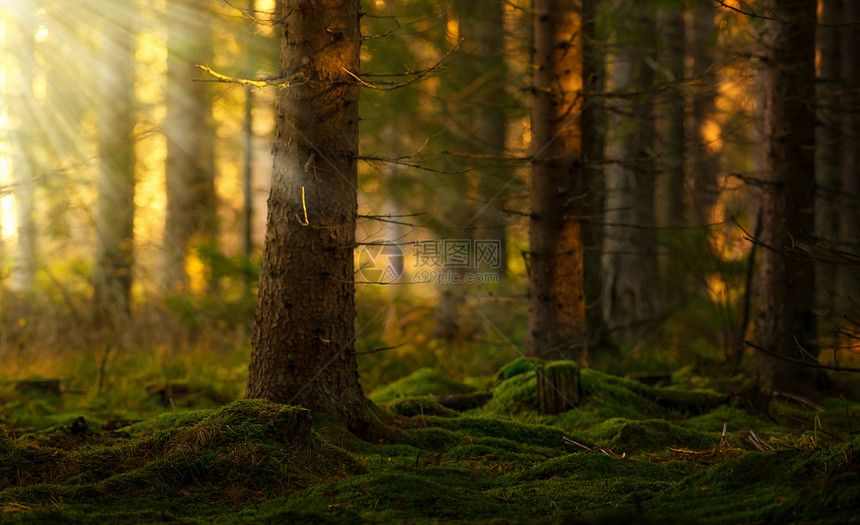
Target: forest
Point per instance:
(424, 261)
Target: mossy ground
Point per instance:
(628, 453)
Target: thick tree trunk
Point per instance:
(303, 342)
(784, 322)
(630, 260)
(190, 172)
(828, 146)
(115, 217)
(556, 326)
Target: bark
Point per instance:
(191, 213)
(784, 321)
(556, 326)
(630, 260)
(848, 277)
(303, 340)
(112, 276)
(827, 147)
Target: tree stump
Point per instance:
(558, 387)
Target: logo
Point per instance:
(380, 262)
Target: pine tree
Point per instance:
(303, 341)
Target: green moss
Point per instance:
(625, 436)
(518, 366)
(420, 406)
(423, 382)
(253, 461)
(515, 395)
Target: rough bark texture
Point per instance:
(630, 260)
(556, 326)
(828, 141)
(784, 322)
(191, 213)
(304, 332)
(115, 217)
(848, 277)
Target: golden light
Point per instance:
(52, 91)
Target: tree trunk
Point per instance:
(828, 145)
(483, 21)
(785, 323)
(248, 155)
(556, 326)
(190, 172)
(703, 159)
(672, 135)
(670, 210)
(630, 296)
(23, 137)
(848, 277)
(115, 217)
(593, 144)
(303, 341)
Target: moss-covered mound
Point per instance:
(423, 382)
(247, 451)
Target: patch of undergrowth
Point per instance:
(626, 453)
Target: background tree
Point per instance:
(556, 326)
(593, 144)
(785, 324)
(848, 280)
(828, 145)
(630, 247)
(112, 275)
(24, 140)
(670, 191)
(304, 335)
(483, 28)
(191, 210)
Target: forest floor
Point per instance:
(626, 452)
